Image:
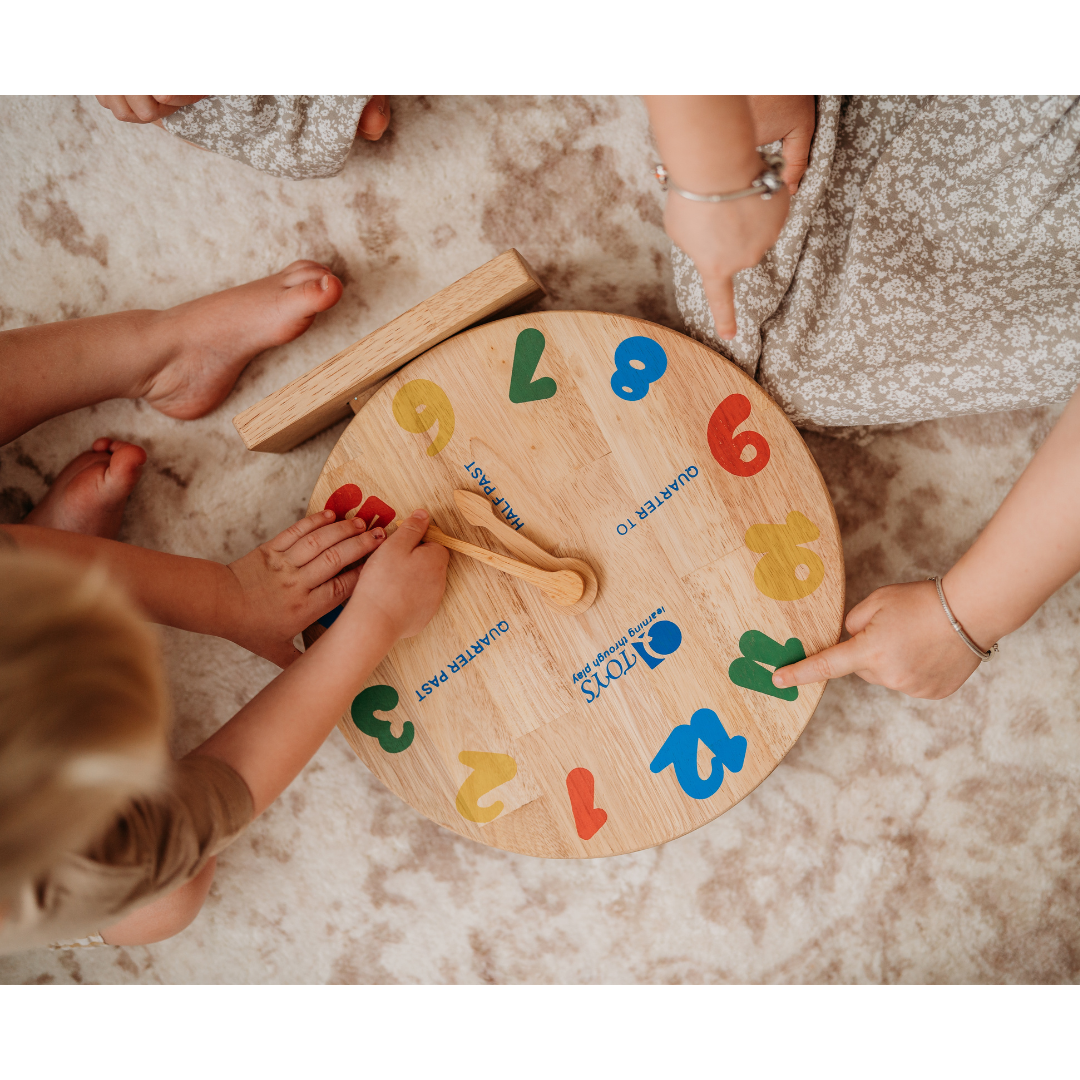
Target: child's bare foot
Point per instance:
(219, 335)
(91, 491)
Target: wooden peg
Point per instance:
(563, 586)
(478, 511)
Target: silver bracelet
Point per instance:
(765, 185)
(984, 657)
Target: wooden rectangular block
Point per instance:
(322, 396)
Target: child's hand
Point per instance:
(374, 119)
(790, 118)
(901, 638)
(403, 581)
(723, 238)
(143, 109)
(288, 582)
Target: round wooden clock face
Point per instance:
(717, 556)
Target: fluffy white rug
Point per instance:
(899, 841)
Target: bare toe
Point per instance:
(92, 490)
(304, 300)
(125, 465)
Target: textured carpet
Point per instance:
(899, 841)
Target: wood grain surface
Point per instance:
(563, 586)
(715, 549)
(324, 395)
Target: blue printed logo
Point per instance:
(654, 643)
(664, 638)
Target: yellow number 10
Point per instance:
(420, 405)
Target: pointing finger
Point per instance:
(720, 293)
(832, 663)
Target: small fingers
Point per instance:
(335, 591)
(117, 104)
(796, 158)
(312, 545)
(832, 663)
(797, 141)
(860, 616)
(170, 103)
(145, 108)
(285, 540)
(342, 554)
(375, 118)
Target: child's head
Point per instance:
(83, 712)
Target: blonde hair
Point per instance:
(83, 710)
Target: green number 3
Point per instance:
(383, 699)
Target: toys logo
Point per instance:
(654, 643)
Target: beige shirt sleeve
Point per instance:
(156, 845)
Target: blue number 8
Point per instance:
(632, 383)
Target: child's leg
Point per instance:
(183, 361)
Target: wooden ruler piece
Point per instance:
(322, 396)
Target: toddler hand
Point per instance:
(143, 109)
(722, 238)
(791, 118)
(375, 119)
(901, 638)
(403, 581)
(285, 584)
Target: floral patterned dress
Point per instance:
(929, 265)
(298, 137)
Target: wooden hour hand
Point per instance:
(479, 511)
(564, 587)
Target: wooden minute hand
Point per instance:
(564, 587)
(480, 512)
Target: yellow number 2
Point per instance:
(419, 405)
(489, 771)
(776, 572)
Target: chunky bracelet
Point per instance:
(984, 657)
(765, 185)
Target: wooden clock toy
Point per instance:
(638, 537)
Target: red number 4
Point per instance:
(727, 447)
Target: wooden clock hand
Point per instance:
(480, 512)
(563, 586)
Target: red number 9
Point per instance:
(727, 450)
